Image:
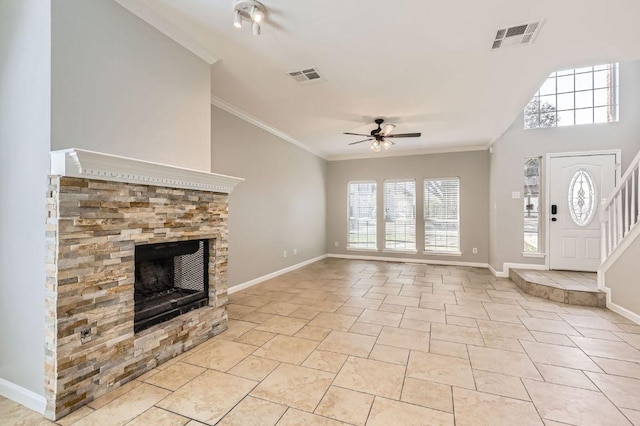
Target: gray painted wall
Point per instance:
(471, 167)
(622, 278)
(280, 206)
(25, 85)
(120, 86)
(516, 144)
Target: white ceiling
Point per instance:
(426, 65)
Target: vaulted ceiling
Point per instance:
(425, 65)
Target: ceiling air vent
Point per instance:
(302, 76)
(517, 35)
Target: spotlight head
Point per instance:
(257, 14)
(237, 19)
(255, 28)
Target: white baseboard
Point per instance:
(29, 399)
(622, 311)
(408, 260)
(507, 266)
(263, 278)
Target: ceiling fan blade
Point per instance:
(386, 129)
(405, 135)
(364, 140)
(356, 134)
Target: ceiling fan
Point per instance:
(380, 137)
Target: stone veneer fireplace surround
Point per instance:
(99, 208)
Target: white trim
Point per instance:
(369, 250)
(224, 105)
(399, 251)
(546, 195)
(493, 271)
(170, 29)
(442, 253)
(533, 254)
(507, 266)
(263, 278)
(408, 260)
(615, 307)
(392, 153)
(29, 399)
(623, 311)
(94, 165)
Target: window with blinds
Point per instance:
(442, 215)
(362, 215)
(400, 214)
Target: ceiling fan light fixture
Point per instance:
(375, 146)
(237, 19)
(386, 144)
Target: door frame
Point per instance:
(547, 187)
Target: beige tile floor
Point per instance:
(374, 343)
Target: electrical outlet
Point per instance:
(284, 254)
(335, 244)
(515, 194)
(475, 250)
(295, 251)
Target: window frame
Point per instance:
(348, 242)
(385, 249)
(458, 252)
(612, 105)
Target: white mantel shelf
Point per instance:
(95, 165)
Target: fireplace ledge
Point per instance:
(94, 165)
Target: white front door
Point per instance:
(577, 185)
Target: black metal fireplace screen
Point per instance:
(171, 279)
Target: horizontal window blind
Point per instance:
(400, 215)
(442, 215)
(362, 215)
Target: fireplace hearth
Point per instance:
(170, 279)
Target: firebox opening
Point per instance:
(170, 279)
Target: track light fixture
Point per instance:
(252, 11)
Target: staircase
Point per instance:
(619, 244)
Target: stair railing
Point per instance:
(620, 212)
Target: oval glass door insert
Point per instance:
(581, 198)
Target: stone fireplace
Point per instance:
(118, 230)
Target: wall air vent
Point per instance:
(302, 76)
(517, 35)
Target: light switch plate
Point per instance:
(515, 194)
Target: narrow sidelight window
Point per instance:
(532, 204)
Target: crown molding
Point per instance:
(440, 150)
(223, 105)
(168, 28)
(95, 165)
